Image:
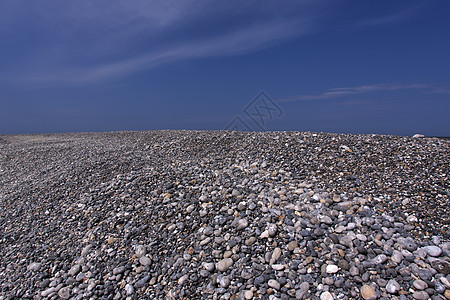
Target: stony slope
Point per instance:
(220, 215)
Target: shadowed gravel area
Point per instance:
(224, 215)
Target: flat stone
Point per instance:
(48, 292)
(278, 267)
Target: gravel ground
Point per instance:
(224, 215)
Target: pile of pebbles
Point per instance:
(224, 215)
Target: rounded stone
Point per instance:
(421, 295)
(183, 279)
(224, 264)
(74, 270)
(145, 261)
(434, 251)
(129, 289)
(34, 266)
(331, 269)
(248, 295)
(368, 292)
(64, 293)
(140, 251)
(380, 259)
(274, 284)
(242, 224)
(420, 284)
(392, 287)
(326, 296)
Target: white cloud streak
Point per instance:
(363, 89)
(89, 41)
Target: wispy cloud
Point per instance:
(243, 41)
(364, 89)
(395, 17)
(87, 41)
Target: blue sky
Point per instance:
(331, 66)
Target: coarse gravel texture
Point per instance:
(224, 215)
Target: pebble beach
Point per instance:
(224, 215)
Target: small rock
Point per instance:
(368, 292)
(250, 241)
(145, 261)
(224, 264)
(205, 241)
(242, 224)
(141, 282)
(275, 255)
(140, 251)
(111, 240)
(434, 251)
(278, 267)
(86, 250)
(224, 281)
(129, 289)
(326, 296)
(380, 259)
(421, 295)
(47, 292)
(331, 269)
(64, 293)
(292, 245)
(274, 284)
(209, 266)
(248, 294)
(392, 287)
(74, 270)
(182, 279)
(420, 284)
(118, 270)
(34, 266)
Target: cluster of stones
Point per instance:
(224, 215)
